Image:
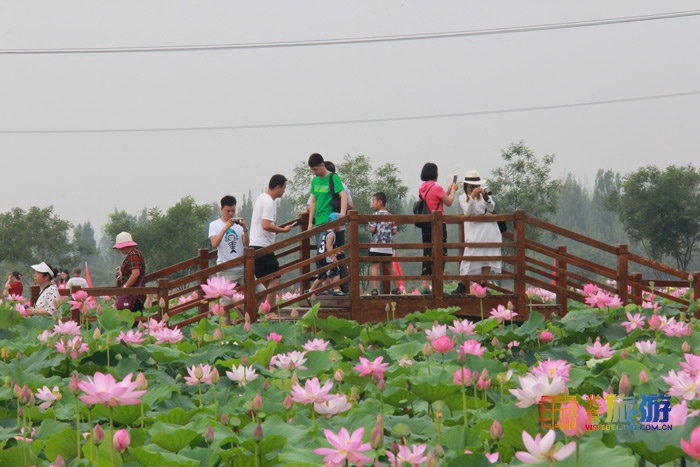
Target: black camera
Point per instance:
(237, 220)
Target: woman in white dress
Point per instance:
(477, 201)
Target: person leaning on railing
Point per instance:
(436, 198)
(45, 304)
(133, 269)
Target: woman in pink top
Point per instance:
(436, 198)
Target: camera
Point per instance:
(486, 191)
(237, 220)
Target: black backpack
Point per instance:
(421, 207)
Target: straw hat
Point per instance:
(472, 178)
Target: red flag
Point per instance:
(397, 268)
(87, 275)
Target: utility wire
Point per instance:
(353, 40)
(359, 121)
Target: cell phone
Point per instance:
(454, 179)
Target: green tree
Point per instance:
(37, 234)
(661, 210)
(524, 182)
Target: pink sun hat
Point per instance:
(123, 240)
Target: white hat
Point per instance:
(472, 178)
(123, 240)
(43, 267)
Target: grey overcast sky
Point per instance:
(51, 103)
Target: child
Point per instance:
(381, 234)
(325, 243)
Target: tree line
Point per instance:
(656, 211)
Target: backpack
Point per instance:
(335, 197)
(421, 207)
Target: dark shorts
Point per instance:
(330, 274)
(266, 265)
(376, 253)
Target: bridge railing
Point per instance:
(526, 263)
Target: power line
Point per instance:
(353, 40)
(358, 121)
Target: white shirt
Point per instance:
(79, 281)
(231, 245)
(264, 208)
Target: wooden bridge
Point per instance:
(526, 263)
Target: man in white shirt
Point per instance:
(263, 231)
(229, 235)
(76, 279)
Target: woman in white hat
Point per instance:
(133, 269)
(477, 200)
(48, 292)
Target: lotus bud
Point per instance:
(546, 336)
(294, 314)
(121, 440)
(224, 419)
(496, 431)
(73, 384)
(257, 403)
(295, 379)
(5, 353)
(439, 451)
(495, 342)
(258, 433)
(428, 349)
(217, 336)
(431, 460)
(288, 403)
(98, 435)
(98, 309)
(161, 303)
(26, 396)
(685, 346)
(165, 317)
(623, 354)
(209, 435)
(59, 462)
(625, 385)
(643, 377)
(148, 303)
(339, 376)
(381, 385)
(97, 334)
(244, 360)
(143, 382)
(215, 376)
(246, 317)
(610, 389)
(394, 448)
(376, 437)
(510, 305)
(354, 394)
(246, 326)
(410, 329)
(387, 308)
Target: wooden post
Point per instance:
(305, 249)
(562, 279)
(202, 263)
(163, 294)
(636, 278)
(438, 258)
(249, 286)
(33, 294)
(520, 276)
(696, 289)
(356, 311)
(623, 272)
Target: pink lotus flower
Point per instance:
(463, 377)
(442, 344)
(242, 374)
(533, 387)
(646, 347)
(553, 368)
(347, 448)
(198, 374)
(692, 446)
(82, 302)
(591, 289)
(542, 449)
(273, 336)
(683, 385)
(573, 419)
(678, 414)
(636, 321)
(103, 389)
(677, 329)
(154, 326)
(16, 298)
(334, 404)
(413, 455)
(168, 336)
(312, 392)
(265, 307)
(289, 361)
(656, 322)
(121, 440)
(131, 336)
(600, 351)
(478, 290)
(603, 300)
(315, 344)
(48, 396)
(463, 327)
(218, 287)
(472, 347)
(503, 313)
(546, 336)
(691, 365)
(437, 331)
(74, 348)
(375, 368)
(69, 328)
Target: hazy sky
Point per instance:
(87, 174)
